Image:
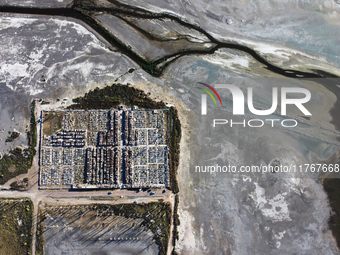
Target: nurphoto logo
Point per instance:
(239, 104)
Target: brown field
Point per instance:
(52, 122)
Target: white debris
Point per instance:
(229, 21)
(275, 208)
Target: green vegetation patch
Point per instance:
(40, 241)
(176, 222)
(174, 148)
(18, 160)
(12, 136)
(112, 96)
(16, 216)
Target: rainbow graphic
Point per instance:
(209, 93)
